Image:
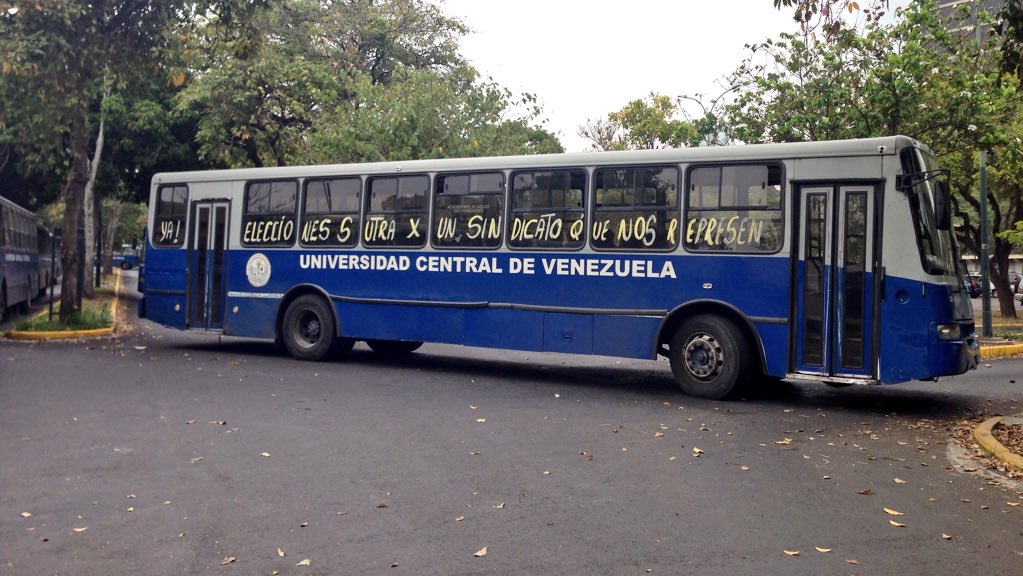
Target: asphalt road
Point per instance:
(168, 453)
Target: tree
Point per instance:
(423, 114)
(53, 54)
(654, 122)
(918, 76)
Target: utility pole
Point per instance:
(985, 263)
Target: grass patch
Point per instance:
(96, 312)
(93, 315)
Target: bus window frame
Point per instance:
(157, 214)
(435, 192)
(783, 193)
(294, 214)
(594, 209)
(367, 199)
(584, 209)
(302, 213)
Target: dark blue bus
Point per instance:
(19, 257)
(825, 261)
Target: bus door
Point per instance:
(835, 284)
(207, 282)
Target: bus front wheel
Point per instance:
(307, 330)
(709, 357)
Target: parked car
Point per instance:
(976, 278)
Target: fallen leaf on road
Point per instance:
(867, 492)
(264, 454)
(658, 434)
(471, 407)
(481, 552)
(381, 504)
(26, 514)
(896, 524)
(853, 562)
(1013, 503)
(822, 550)
(744, 468)
(196, 459)
(394, 564)
(783, 441)
(480, 420)
(893, 512)
(697, 452)
(900, 481)
(280, 552)
(946, 536)
(305, 562)
(227, 560)
(460, 518)
(234, 363)
(80, 530)
(791, 552)
(499, 506)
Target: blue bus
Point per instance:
(19, 257)
(823, 261)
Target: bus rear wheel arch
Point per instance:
(710, 357)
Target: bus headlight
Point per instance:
(949, 332)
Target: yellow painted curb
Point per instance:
(74, 334)
(982, 434)
(1003, 351)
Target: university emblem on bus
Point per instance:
(258, 270)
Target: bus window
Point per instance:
(468, 210)
(330, 212)
(736, 208)
(548, 209)
(169, 222)
(636, 208)
(396, 211)
(269, 218)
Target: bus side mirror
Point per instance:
(942, 206)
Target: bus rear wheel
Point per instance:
(307, 330)
(709, 357)
(393, 347)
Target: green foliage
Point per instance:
(654, 122)
(920, 76)
(348, 81)
(423, 114)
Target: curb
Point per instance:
(74, 334)
(1001, 351)
(982, 434)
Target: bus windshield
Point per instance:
(937, 247)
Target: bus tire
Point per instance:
(307, 329)
(393, 347)
(709, 357)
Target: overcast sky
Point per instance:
(583, 59)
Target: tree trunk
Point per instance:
(73, 194)
(113, 220)
(90, 211)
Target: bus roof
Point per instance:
(820, 149)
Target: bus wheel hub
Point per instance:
(703, 356)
